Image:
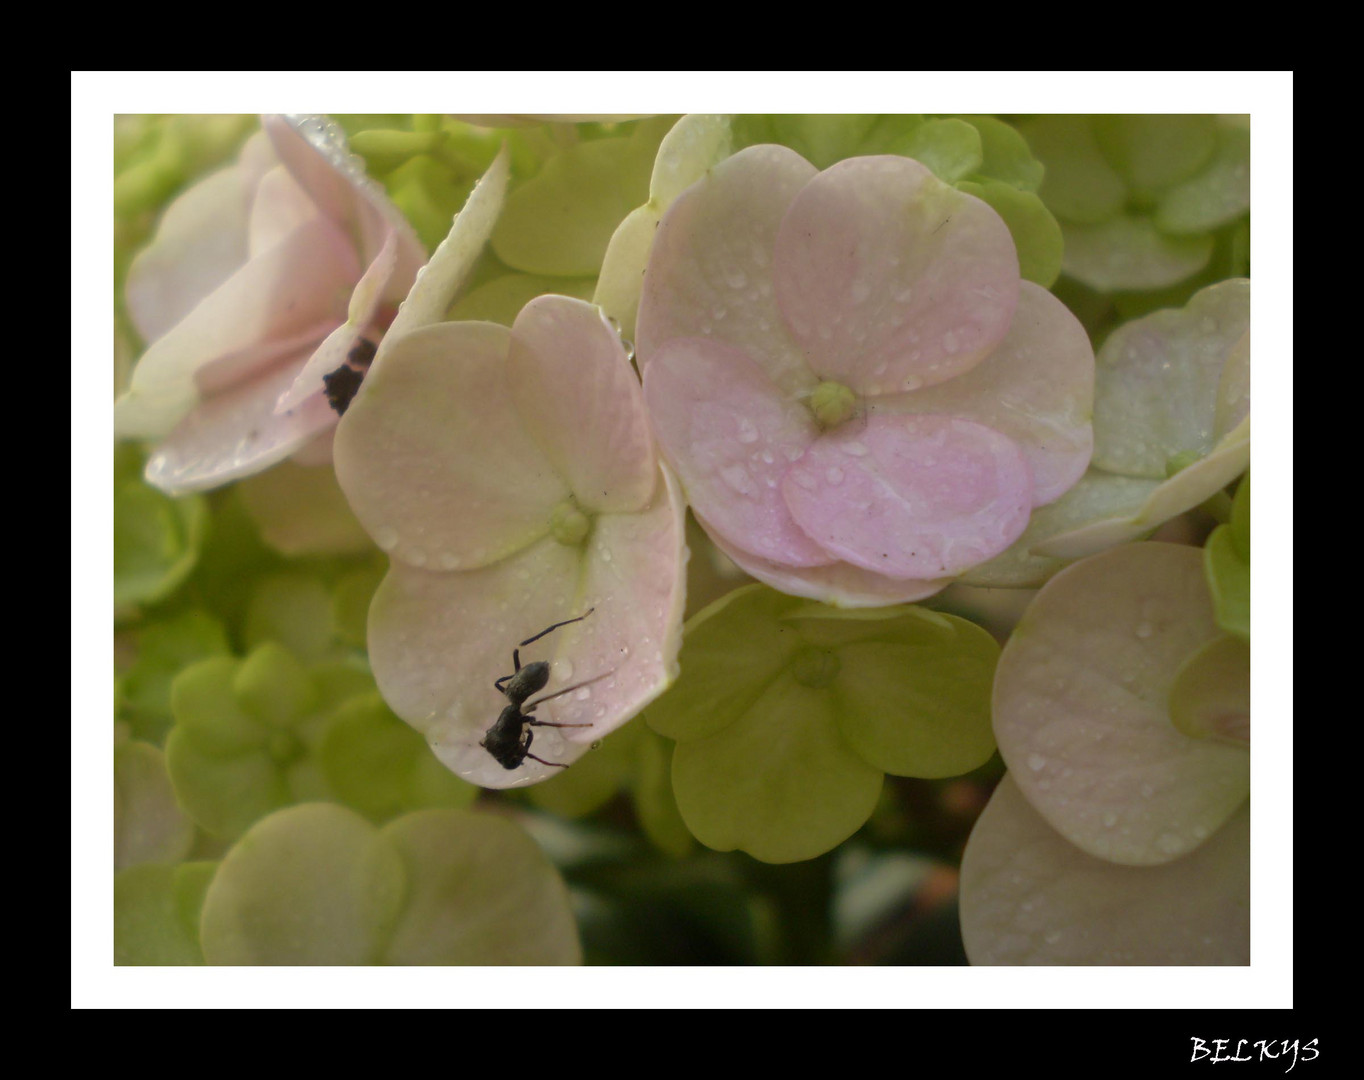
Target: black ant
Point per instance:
(509, 739)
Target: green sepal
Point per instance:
(274, 687)
(163, 650)
(1007, 156)
(951, 148)
(1226, 561)
(157, 541)
(1036, 233)
(1210, 695)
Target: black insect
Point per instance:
(509, 739)
(342, 384)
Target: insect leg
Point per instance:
(556, 626)
(559, 693)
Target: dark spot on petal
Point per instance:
(361, 353)
(341, 386)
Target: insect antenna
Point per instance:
(559, 693)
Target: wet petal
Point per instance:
(1081, 708)
(435, 286)
(364, 304)
(1129, 253)
(1029, 897)
(1186, 489)
(633, 577)
(840, 584)
(730, 434)
(581, 400)
(1037, 388)
(199, 244)
(911, 497)
(438, 642)
(1156, 390)
(1097, 497)
(236, 433)
(710, 271)
(279, 206)
(891, 280)
(434, 457)
(298, 283)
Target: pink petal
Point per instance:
(434, 458)
(1081, 707)
(710, 271)
(890, 279)
(295, 285)
(235, 434)
(438, 642)
(224, 372)
(633, 577)
(279, 206)
(911, 497)
(1029, 897)
(581, 400)
(316, 156)
(364, 304)
(1037, 388)
(199, 244)
(839, 583)
(730, 434)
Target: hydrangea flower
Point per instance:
(261, 281)
(860, 397)
(511, 477)
(1122, 710)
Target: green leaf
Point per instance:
(350, 604)
(381, 767)
(156, 914)
(157, 541)
(951, 148)
(293, 610)
(780, 783)
(789, 711)
(502, 299)
(274, 687)
(728, 659)
(163, 649)
(1037, 234)
(1007, 157)
(560, 221)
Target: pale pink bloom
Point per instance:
(1121, 834)
(511, 477)
(261, 280)
(859, 396)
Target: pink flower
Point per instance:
(263, 279)
(860, 397)
(511, 477)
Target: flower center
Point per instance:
(568, 524)
(815, 668)
(832, 403)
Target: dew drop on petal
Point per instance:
(386, 537)
(1036, 762)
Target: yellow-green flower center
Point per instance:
(815, 668)
(832, 403)
(568, 524)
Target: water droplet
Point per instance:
(1036, 762)
(949, 343)
(449, 560)
(834, 474)
(904, 296)
(856, 449)
(736, 476)
(416, 556)
(1110, 819)
(605, 554)
(583, 694)
(912, 383)
(735, 278)
(748, 433)
(1144, 630)
(1053, 936)
(563, 669)
(386, 537)
(859, 291)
